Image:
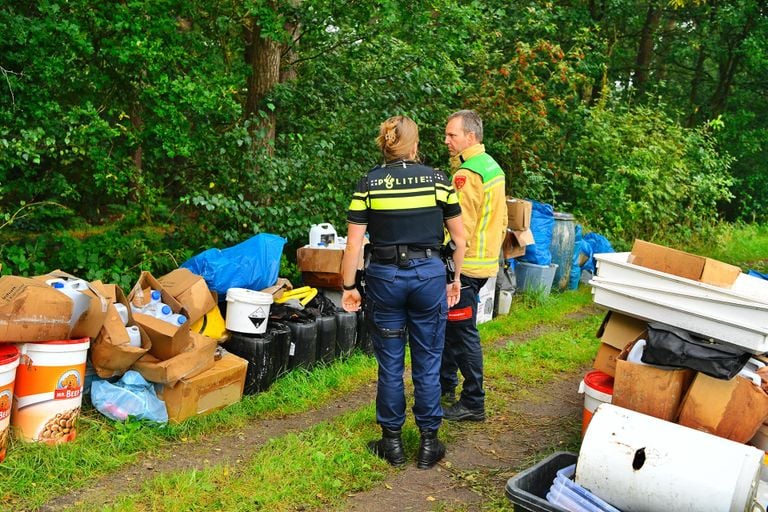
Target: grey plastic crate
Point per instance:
(528, 489)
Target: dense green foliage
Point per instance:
(136, 134)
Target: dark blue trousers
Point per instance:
(407, 301)
(462, 347)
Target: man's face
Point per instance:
(455, 138)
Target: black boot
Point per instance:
(389, 447)
(431, 450)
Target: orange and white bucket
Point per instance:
(9, 360)
(597, 388)
(49, 390)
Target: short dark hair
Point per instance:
(471, 122)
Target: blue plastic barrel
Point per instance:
(561, 247)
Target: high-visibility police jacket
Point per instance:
(404, 203)
(479, 183)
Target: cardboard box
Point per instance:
(167, 340)
(734, 409)
(650, 390)
(515, 243)
(215, 388)
(190, 290)
(518, 214)
(311, 259)
(606, 358)
(485, 299)
(683, 264)
(320, 268)
(111, 352)
(30, 310)
(197, 358)
(619, 330)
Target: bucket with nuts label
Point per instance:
(9, 360)
(49, 390)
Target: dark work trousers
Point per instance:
(408, 300)
(462, 347)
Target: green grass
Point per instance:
(316, 469)
(33, 473)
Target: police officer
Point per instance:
(479, 183)
(405, 207)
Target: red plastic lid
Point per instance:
(8, 353)
(599, 381)
(63, 342)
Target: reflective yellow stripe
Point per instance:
(428, 190)
(402, 203)
(498, 180)
(357, 205)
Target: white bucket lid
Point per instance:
(248, 296)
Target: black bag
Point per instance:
(670, 346)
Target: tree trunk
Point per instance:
(729, 65)
(263, 56)
(645, 47)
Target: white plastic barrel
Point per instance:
(637, 462)
(247, 310)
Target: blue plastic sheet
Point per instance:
(542, 223)
(253, 264)
(755, 273)
(130, 397)
(575, 277)
(592, 244)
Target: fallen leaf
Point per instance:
(387, 486)
(430, 498)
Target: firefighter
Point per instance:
(479, 184)
(405, 207)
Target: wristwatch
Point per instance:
(349, 288)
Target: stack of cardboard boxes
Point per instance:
(181, 359)
(734, 409)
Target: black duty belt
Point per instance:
(400, 254)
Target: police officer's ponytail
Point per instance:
(397, 138)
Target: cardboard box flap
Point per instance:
(190, 290)
(193, 361)
(515, 243)
(619, 330)
(30, 310)
(734, 409)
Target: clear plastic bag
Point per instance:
(130, 397)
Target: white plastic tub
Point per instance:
(745, 330)
(615, 267)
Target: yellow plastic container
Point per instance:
(212, 324)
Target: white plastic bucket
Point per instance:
(247, 310)
(322, 235)
(637, 462)
(9, 360)
(597, 388)
(49, 390)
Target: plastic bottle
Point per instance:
(135, 335)
(80, 300)
(122, 311)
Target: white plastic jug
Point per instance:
(322, 235)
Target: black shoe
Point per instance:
(389, 447)
(431, 450)
(459, 412)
